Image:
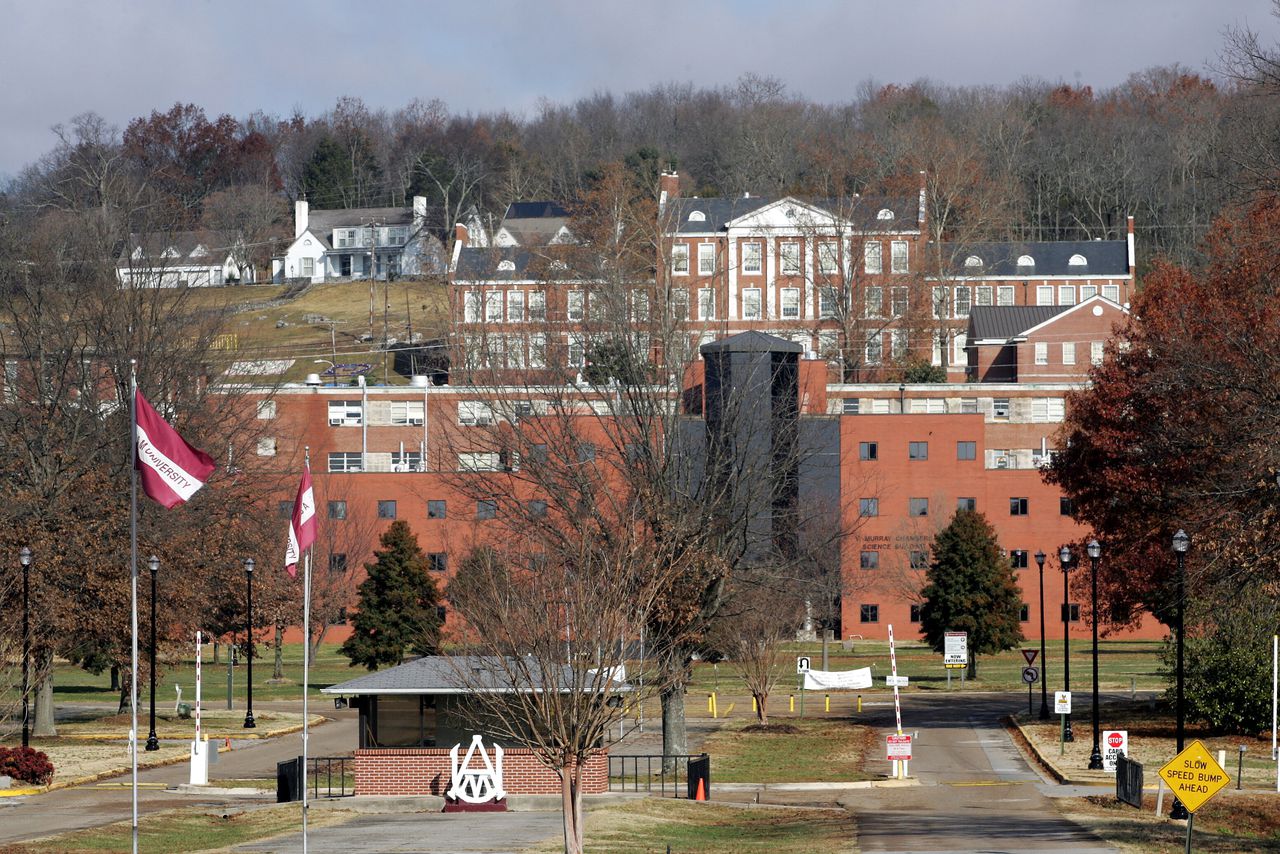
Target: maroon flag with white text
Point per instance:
(302, 525)
(170, 469)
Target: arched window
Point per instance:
(1078, 261)
(1026, 261)
(884, 213)
(697, 216)
(973, 261)
(506, 266)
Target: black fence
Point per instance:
(328, 777)
(673, 776)
(1129, 781)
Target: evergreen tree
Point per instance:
(971, 588)
(398, 604)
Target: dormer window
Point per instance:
(884, 213)
(1026, 261)
(169, 253)
(199, 252)
(506, 266)
(973, 261)
(1078, 261)
(697, 216)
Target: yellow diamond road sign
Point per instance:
(1194, 776)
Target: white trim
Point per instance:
(1071, 310)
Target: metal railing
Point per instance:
(331, 777)
(1129, 781)
(669, 775)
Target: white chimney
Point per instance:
(419, 212)
(299, 218)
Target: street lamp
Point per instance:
(249, 722)
(153, 743)
(1064, 560)
(24, 558)
(1044, 659)
(1181, 542)
(1095, 551)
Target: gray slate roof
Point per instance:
(437, 674)
(1104, 257)
(479, 263)
(321, 223)
(1002, 322)
(861, 211)
(155, 244)
(751, 342)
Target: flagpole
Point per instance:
(306, 666)
(133, 601)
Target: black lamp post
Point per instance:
(1044, 659)
(1064, 559)
(153, 743)
(1181, 542)
(1094, 551)
(24, 558)
(249, 722)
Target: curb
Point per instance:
(817, 787)
(316, 720)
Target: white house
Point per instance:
(182, 259)
(359, 243)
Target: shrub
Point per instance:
(26, 764)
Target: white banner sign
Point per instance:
(837, 680)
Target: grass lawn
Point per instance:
(1230, 824)
(823, 750)
(652, 824)
(186, 830)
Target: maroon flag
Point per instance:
(171, 470)
(302, 525)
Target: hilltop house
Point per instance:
(184, 259)
(359, 243)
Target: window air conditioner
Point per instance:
(1002, 462)
(335, 422)
(415, 422)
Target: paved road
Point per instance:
(425, 833)
(977, 794)
(109, 801)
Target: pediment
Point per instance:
(786, 214)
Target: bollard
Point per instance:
(708, 704)
(792, 698)
(754, 707)
(729, 710)
(715, 707)
(859, 703)
(1133, 687)
(1240, 768)
(826, 702)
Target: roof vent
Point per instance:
(418, 381)
(697, 216)
(313, 379)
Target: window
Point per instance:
(284, 509)
(478, 461)
(493, 306)
(1047, 409)
(752, 258)
(679, 304)
(898, 302)
(404, 413)
(1078, 261)
(1066, 294)
(538, 350)
(640, 306)
(344, 462)
(973, 261)
(919, 559)
(1088, 292)
(537, 453)
(868, 507)
(344, 238)
(790, 303)
(680, 259)
(982, 295)
(929, 406)
(1071, 612)
(706, 259)
(915, 612)
(437, 561)
(486, 509)
(574, 305)
(968, 406)
(827, 301)
(1018, 558)
(1069, 353)
(1042, 352)
(967, 503)
(706, 304)
(386, 510)
(958, 348)
(1024, 613)
(437, 508)
(575, 351)
(869, 560)
(917, 450)
(1000, 408)
(1066, 507)
(1017, 507)
(966, 450)
(875, 350)
(266, 410)
(940, 300)
(898, 256)
(471, 307)
(474, 413)
(538, 305)
(964, 300)
(869, 613)
(789, 258)
(1044, 295)
(1004, 295)
(586, 452)
(917, 507)
(871, 257)
(266, 446)
(345, 413)
(308, 267)
(1111, 292)
(850, 406)
(873, 302)
(1095, 352)
(828, 259)
(337, 510)
(515, 306)
(537, 508)
(868, 450)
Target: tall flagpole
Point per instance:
(133, 579)
(306, 667)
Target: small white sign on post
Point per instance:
(1114, 743)
(1062, 702)
(955, 649)
(895, 681)
(802, 664)
(897, 747)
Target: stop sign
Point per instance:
(1115, 739)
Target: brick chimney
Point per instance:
(300, 211)
(1132, 258)
(668, 187)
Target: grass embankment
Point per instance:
(1229, 824)
(653, 824)
(185, 830)
(817, 751)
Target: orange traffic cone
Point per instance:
(701, 794)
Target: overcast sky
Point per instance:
(124, 58)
